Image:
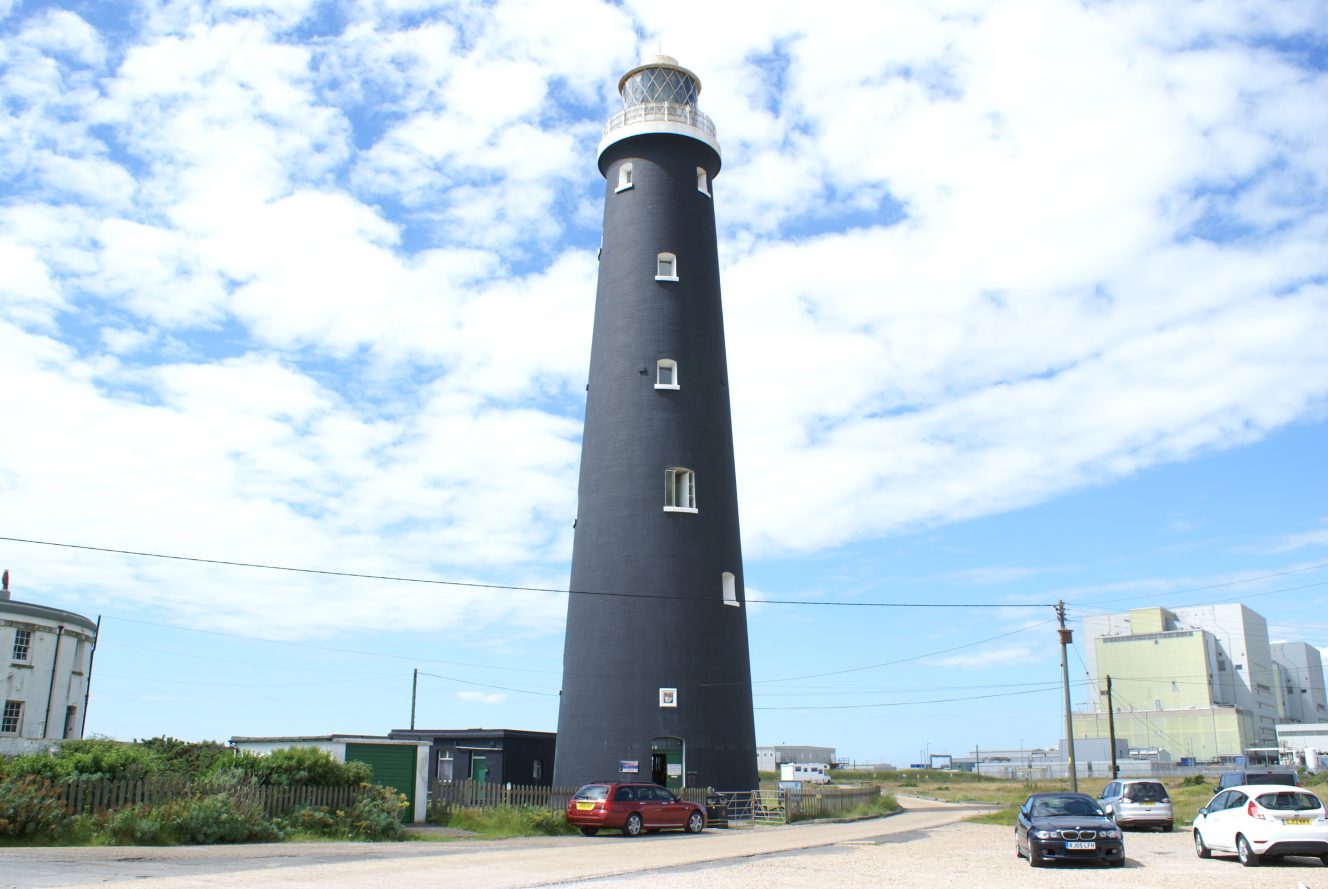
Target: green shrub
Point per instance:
(89, 758)
(376, 815)
(206, 819)
(292, 766)
(30, 809)
(511, 821)
(1194, 781)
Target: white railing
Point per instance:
(656, 112)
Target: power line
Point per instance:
(1051, 687)
(1197, 589)
(393, 578)
(522, 691)
(916, 657)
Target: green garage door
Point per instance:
(393, 766)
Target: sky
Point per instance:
(1025, 302)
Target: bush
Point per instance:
(200, 820)
(30, 809)
(376, 815)
(511, 821)
(90, 758)
(292, 766)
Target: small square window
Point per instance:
(666, 374)
(666, 267)
(22, 644)
(679, 490)
(12, 719)
(624, 177)
(702, 183)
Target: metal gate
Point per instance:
(747, 807)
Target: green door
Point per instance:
(479, 769)
(393, 766)
(671, 749)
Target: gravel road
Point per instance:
(926, 846)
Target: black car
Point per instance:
(1066, 827)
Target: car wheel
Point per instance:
(1245, 853)
(1200, 848)
(1034, 859)
(1168, 827)
(695, 823)
(632, 826)
(590, 831)
(1018, 852)
(1119, 862)
(1324, 859)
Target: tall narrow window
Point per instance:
(731, 589)
(666, 267)
(666, 374)
(679, 490)
(702, 184)
(22, 644)
(13, 718)
(69, 722)
(624, 177)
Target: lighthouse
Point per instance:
(656, 672)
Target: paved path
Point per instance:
(508, 864)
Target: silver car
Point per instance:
(1137, 803)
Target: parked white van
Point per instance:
(809, 772)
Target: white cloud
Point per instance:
(992, 657)
(329, 302)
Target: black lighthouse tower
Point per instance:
(656, 675)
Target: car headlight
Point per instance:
(1109, 834)
(1045, 834)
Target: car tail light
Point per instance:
(1254, 811)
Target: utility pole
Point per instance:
(414, 687)
(1111, 730)
(1066, 637)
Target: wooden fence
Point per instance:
(469, 794)
(96, 796)
(827, 802)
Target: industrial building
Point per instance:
(1203, 682)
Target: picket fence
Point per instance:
(97, 796)
(743, 807)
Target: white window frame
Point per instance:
(730, 584)
(702, 181)
(672, 260)
(674, 477)
(672, 365)
(22, 646)
(624, 177)
(11, 719)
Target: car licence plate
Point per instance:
(584, 807)
(1077, 844)
(1147, 804)
(1295, 821)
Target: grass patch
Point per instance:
(510, 821)
(882, 806)
(1004, 816)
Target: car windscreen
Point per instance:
(592, 792)
(1147, 793)
(1289, 801)
(1054, 806)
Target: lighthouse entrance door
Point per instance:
(666, 762)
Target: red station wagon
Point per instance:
(632, 808)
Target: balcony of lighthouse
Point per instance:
(659, 96)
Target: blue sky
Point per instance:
(1025, 302)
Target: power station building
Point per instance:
(1202, 682)
(656, 674)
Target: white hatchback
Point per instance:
(1258, 821)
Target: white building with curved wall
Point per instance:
(46, 658)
